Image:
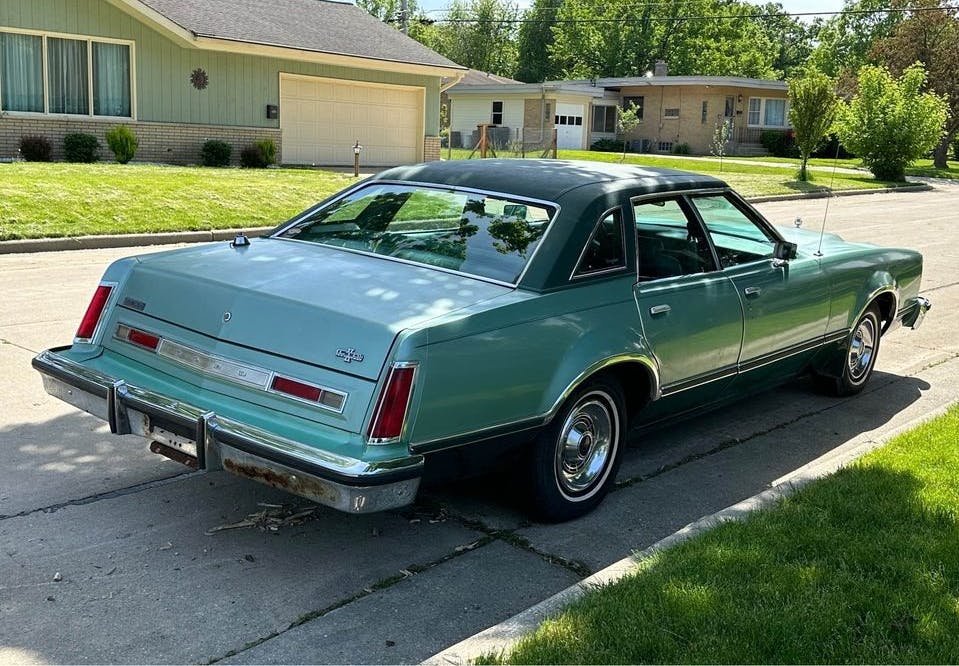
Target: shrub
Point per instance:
(779, 143)
(890, 123)
(123, 142)
(608, 146)
(81, 147)
(681, 149)
(36, 149)
(268, 148)
(812, 110)
(252, 157)
(216, 153)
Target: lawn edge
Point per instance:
(172, 237)
(502, 637)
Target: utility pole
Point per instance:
(405, 17)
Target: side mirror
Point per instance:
(784, 251)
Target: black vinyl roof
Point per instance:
(311, 25)
(548, 180)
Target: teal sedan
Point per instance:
(439, 317)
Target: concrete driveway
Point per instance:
(110, 554)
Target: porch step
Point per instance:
(749, 150)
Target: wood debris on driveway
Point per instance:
(272, 518)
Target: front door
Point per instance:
(691, 313)
(786, 305)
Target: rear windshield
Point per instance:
(468, 232)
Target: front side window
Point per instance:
(468, 232)
(21, 72)
(605, 248)
(669, 243)
(737, 238)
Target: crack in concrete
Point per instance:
(382, 584)
(4, 341)
(96, 497)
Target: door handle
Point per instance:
(659, 309)
(752, 291)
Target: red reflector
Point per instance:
(143, 339)
(390, 412)
(296, 389)
(88, 325)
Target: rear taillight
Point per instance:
(138, 337)
(392, 405)
(88, 325)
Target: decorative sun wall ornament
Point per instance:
(199, 78)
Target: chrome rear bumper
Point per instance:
(347, 484)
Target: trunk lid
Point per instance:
(297, 300)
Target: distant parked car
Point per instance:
(455, 311)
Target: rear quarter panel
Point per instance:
(512, 362)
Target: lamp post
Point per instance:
(356, 158)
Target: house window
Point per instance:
(775, 115)
(497, 116)
(604, 119)
(638, 102)
(84, 76)
(753, 118)
(671, 113)
(21, 72)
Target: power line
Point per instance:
(676, 19)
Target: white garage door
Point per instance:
(321, 118)
(569, 126)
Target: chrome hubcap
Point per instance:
(585, 445)
(861, 349)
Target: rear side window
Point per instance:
(605, 249)
(468, 232)
(669, 243)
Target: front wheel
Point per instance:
(859, 359)
(574, 460)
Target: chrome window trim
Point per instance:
(104, 314)
(576, 275)
(267, 387)
(550, 224)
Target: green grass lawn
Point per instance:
(40, 200)
(860, 567)
(922, 167)
(53, 200)
(749, 180)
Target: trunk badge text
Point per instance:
(349, 355)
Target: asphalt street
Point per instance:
(109, 553)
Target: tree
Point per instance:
(479, 34)
(534, 40)
(720, 141)
(626, 121)
(891, 123)
(932, 38)
(791, 38)
(812, 110)
(844, 41)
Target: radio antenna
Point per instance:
(832, 179)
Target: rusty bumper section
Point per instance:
(203, 440)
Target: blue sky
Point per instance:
(788, 5)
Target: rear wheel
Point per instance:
(574, 460)
(859, 359)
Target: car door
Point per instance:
(691, 315)
(785, 304)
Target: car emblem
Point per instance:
(227, 316)
(349, 355)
